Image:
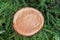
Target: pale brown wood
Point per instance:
(28, 21)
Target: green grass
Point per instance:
(50, 10)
